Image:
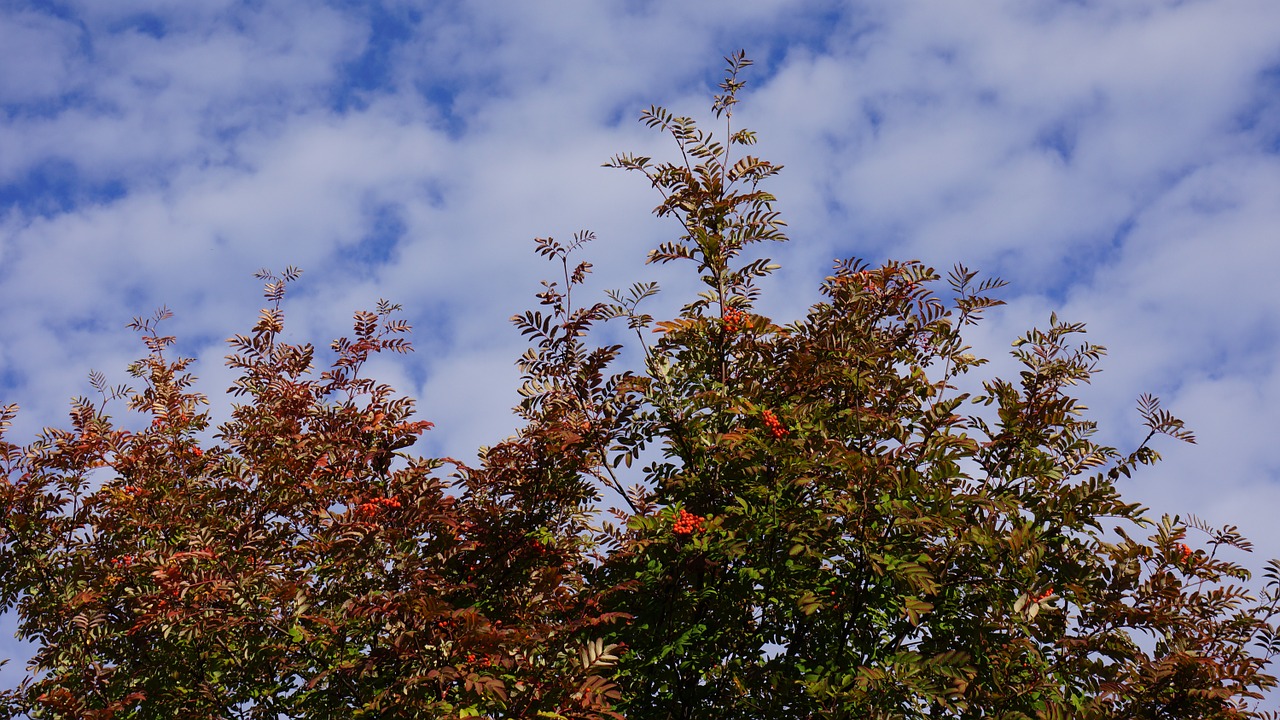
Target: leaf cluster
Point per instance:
(298, 562)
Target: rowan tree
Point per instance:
(832, 528)
(300, 564)
(835, 530)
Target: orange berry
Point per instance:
(775, 426)
(734, 320)
(687, 523)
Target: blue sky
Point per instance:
(1116, 162)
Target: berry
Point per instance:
(775, 426)
(687, 523)
(734, 320)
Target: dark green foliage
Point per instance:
(875, 543)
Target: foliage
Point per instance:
(832, 529)
(300, 565)
(871, 542)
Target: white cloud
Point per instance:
(149, 104)
(38, 54)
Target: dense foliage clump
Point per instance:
(832, 529)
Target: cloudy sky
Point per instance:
(1118, 162)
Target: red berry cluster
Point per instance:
(1184, 550)
(1044, 595)
(372, 507)
(734, 320)
(544, 549)
(774, 425)
(687, 523)
(123, 561)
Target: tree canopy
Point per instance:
(824, 524)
